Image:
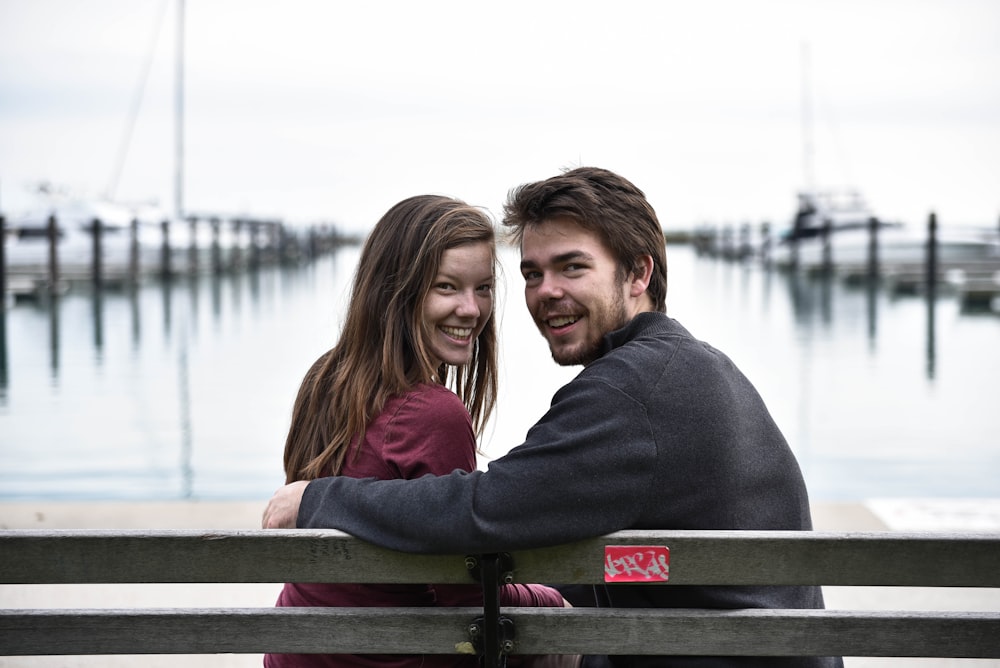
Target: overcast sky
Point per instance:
(320, 110)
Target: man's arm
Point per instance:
(586, 469)
(283, 508)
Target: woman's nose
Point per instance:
(468, 306)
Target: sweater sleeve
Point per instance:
(584, 470)
(530, 595)
(511, 595)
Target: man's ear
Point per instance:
(642, 272)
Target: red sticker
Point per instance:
(636, 563)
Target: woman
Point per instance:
(378, 404)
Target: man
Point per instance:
(658, 431)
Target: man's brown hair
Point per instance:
(601, 202)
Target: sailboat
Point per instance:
(840, 228)
(125, 228)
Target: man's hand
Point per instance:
(283, 509)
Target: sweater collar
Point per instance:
(650, 322)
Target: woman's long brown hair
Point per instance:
(381, 351)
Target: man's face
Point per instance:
(571, 289)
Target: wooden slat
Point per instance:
(785, 558)
(537, 631)
(87, 557)
(249, 630)
(705, 557)
(757, 632)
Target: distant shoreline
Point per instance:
(870, 515)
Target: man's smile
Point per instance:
(560, 321)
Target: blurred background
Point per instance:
(309, 110)
(308, 116)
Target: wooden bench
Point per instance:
(695, 557)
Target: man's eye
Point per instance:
(532, 275)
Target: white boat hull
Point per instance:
(895, 246)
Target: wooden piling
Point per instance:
(765, 244)
(216, 248)
(3, 264)
(793, 260)
(133, 252)
(254, 248)
(312, 243)
(165, 268)
(828, 247)
(236, 253)
(96, 265)
(726, 242)
(873, 268)
(193, 245)
(52, 232)
(932, 251)
(3, 303)
(746, 247)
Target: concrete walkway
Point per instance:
(983, 515)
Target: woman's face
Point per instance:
(459, 303)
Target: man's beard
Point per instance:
(608, 318)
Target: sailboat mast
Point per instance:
(807, 129)
(179, 116)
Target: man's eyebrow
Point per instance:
(562, 258)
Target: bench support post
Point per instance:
(492, 634)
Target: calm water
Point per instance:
(185, 392)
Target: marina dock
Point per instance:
(50, 257)
(964, 262)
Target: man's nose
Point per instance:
(549, 288)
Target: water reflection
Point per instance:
(931, 299)
(871, 302)
(54, 307)
(166, 289)
(182, 388)
(3, 352)
(136, 318)
(186, 427)
(97, 308)
(825, 305)
(814, 299)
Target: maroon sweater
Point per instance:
(427, 430)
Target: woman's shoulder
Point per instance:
(427, 402)
(424, 406)
(426, 430)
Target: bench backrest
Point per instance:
(695, 557)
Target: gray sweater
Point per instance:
(661, 432)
